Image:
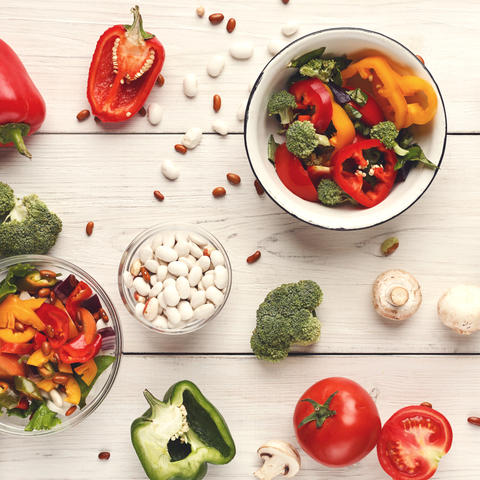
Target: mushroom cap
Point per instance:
(459, 309)
(285, 452)
(396, 295)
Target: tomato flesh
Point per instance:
(412, 443)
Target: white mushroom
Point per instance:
(279, 458)
(396, 295)
(459, 308)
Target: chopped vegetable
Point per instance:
(272, 148)
(102, 362)
(7, 200)
(42, 419)
(9, 283)
(282, 104)
(387, 133)
(279, 459)
(459, 309)
(302, 139)
(330, 194)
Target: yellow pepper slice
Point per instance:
(12, 308)
(38, 359)
(342, 123)
(11, 336)
(64, 368)
(46, 384)
(74, 394)
(418, 113)
(87, 371)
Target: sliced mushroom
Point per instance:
(459, 309)
(279, 458)
(396, 295)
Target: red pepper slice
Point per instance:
(17, 348)
(22, 109)
(79, 351)
(80, 293)
(349, 162)
(38, 340)
(292, 174)
(89, 325)
(58, 320)
(313, 93)
(124, 69)
(371, 111)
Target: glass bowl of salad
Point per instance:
(345, 128)
(174, 278)
(60, 345)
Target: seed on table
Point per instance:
(142, 112)
(220, 127)
(159, 195)
(89, 228)
(169, 169)
(104, 455)
(19, 326)
(474, 421)
(154, 113)
(70, 410)
(192, 138)
(233, 178)
(43, 292)
(258, 187)
(231, 24)
(46, 348)
(254, 257)
(242, 50)
(200, 11)
(217, 102)
(215, 65)
(216, 18)
(219, 192)
(290, 28)
(160, 80)
(181, 148)
(83, 115)
(190, 85)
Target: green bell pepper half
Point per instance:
(176, 438)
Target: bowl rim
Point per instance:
(97, 288)
(347, 29)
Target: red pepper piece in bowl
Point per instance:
(124, 69)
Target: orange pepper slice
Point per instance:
(74, 394)
(87, 371)
(38, 359)
(12, 309)
(419, 113)
(10, 336)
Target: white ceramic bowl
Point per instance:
(258, 127)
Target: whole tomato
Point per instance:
(336, 422)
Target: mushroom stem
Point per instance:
(399, 296)
(271, 470)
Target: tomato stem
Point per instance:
(320, 413)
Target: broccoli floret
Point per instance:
(302, 139)
(320, 68)
(286, 318)
(387, 133)
(283, 104)
(330, 194)
(30, 228)
(7, 200)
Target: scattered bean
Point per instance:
(181, 148)
(258, 187)
(104, 455)
(160, 80)
(190, 85)
(389, 246)
(46, 348)
(285, 1)
(219, 126)
(215, 65)
(231, 24)
(254, 257)
(217, 102)
(241, 111)
(89, 228)
(170, 170)
(200, 11)
(192, 138)
(290, 28)
(233, 178)
(274, 46)
(83, 115)
(159, 195)
(53, 297)
(71, 410)
(219, 192)
(154, 113)
(216, 18)
(242, 50)
(474, 421)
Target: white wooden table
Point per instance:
(85, 171)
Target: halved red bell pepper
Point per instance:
(350, 169)
(79, 351)
(124, 69)
(17, 348)
(80, 293)
(312, 93)
(57, 320)
(292, 174)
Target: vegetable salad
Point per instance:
(347, 128)
(49, 345)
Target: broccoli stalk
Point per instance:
(387, 133)
(286, 318)
(282, 104)
(302, 139)
(330, 194)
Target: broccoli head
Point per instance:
(282, 104)
(320, 68)
(7, 200)
(286, 318)
(330, 194)
(302, 139)
(30, 228)
(387, 133)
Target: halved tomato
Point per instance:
(412, 443)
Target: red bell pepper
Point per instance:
(38, 340)
(58, 320)
(292, 174)
(312, 94)
(17, 348)
(80, 293)
(79, 351)
(351, 169)
(371, 112)
(124, 68)
(22, 108)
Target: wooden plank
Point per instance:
(110, 180)
(258, 407)
(56, 40)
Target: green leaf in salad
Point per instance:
(352, 112)
(358, 96)
(415, 154)
(8, 399)
(361, 128)
(405, 138)
(42, 419)
(8, 285)
(19, 412)
(102, 362)
(306, 57)
(272, 148)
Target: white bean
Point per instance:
(178, 269)
(183, 287)
(145, 253)
(161, 301)
(166, 254)
(274, 46)
(157, 241)
(187, 261)
(156, 289)
(190, 85)
(141, 286)
(203, 311)
(214, 295)
(169, 282)
(241, 50)
(208, 280)
(171, 295)
(221, 277)
(185, 310)
(193, 290)
(215, 65)
(198, 239)
(181, 236)
(135, 267)
(127, 280)
(101, 324)
(182, 248)
(153, 280)
(195, 275)
(217, 258)
(290, 28)
(173, 316)
(150, 310)
(151, 265)
(195, 250)
(169, 239)
(220, 126)
(241, 110)
(53, 407)
(169, 169)
(160, 322)
(154, 113)
(162, 273)
(139, 310)
(204, 263)
(192, 138)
